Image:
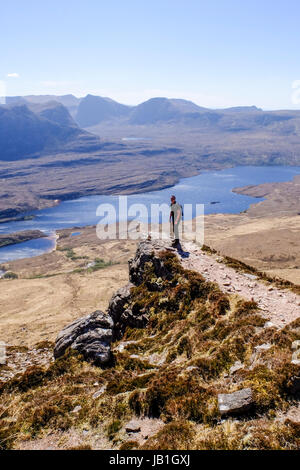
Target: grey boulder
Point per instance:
(91, 336)
(235, 403)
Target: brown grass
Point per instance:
(201, 332)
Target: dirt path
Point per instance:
(281, 306)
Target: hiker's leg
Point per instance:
(176, 233)
(172, 228)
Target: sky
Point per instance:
(217, 53)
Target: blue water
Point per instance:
(27, 249)
(208, 187)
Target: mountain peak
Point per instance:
(94, 109)
(33, 129)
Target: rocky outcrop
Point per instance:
(91, 336)
(132, 317)
(118, 302)
(125, 313)
(148, 253)
(122, 313)
(235, 403)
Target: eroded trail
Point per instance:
(281, 306)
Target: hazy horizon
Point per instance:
(159, 97)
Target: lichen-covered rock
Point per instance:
(236, 367)
(296, 345)
(124, 313)
(91, 336)
(148, 252)
(118, 301)
(235, 403)
(131, 317)
(296, 358)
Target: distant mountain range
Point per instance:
(35, 125)
(94, 110)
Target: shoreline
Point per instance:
(17, 219)
(263, 191)
(16, 238)
(143, 188)
(49, 203)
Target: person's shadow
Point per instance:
(183, 254)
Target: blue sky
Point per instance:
(217, 53)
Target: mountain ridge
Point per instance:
(91, 110)
(28, 130)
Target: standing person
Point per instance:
(175, 219)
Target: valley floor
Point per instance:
(271, 244)
(55, 288)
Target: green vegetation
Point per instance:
(70, 253)
(178, 435)
(208, 249)
(129, 445)
(113, 427)
(260, 434)
(10, 275)
(96, 265)
(99, 263)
